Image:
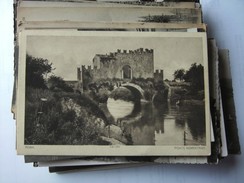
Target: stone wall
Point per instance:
(110, 66)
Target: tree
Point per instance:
(55, 82)
(36, 69)
(157, 18)
(195, 75)
(179, 74)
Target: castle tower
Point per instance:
(79, 80)
(158, 75)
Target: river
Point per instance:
(165, 124)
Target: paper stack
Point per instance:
(108, 84)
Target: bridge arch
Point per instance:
(136, 89)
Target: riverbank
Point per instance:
(62, 118)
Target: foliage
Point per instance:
(179, 74)
(102, 95)
(151, 88)
(61, 118)
(122, 93)
(57, 83)
(101, 89)
(36, 69)
(56, 115)
(198, 129)
(159, 86)
(195, 75)
(157, 18)
(148, 94)
(161, 94)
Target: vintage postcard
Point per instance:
(149, 27)
(110, 14)
(94, 15)
(113, 94)
(105, 3)
(229, 111)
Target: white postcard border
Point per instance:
(102, 150)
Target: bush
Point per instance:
(36, 69)
(48, 122)
(102, 95)
(56, 83)
(122, 93)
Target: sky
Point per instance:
(68, 52)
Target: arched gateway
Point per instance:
(126, 72)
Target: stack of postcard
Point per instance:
(108, 84)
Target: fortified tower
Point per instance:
(122, 64)
(158, 75)
(125, 64)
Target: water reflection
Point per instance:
(163, 124)
(119, 108)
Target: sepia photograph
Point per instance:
(110, 14)
(110, 3)
(113, 93)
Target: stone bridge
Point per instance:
(136, 89)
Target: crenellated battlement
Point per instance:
(84, 68)
(126, 52)
(158, 71)
(158, 75)
(87, 67)
(122, 64)
(139, 50)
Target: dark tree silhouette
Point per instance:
(195, 75)
(36, 69)
(57, 83)
(179, 74)
(158, 18)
